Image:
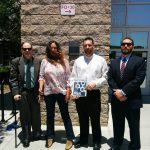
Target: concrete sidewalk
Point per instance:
(7, 138)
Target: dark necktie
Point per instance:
(123, 65)
(28, 75)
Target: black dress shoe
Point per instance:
(42, 136)
(26, 136)
(129, 148)
(80, 144)
(96, 146)
(38, 135)
(116, 147)
(132, 147)
(25, 143)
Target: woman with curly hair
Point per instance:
(54, 74)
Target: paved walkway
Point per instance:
(7, 138)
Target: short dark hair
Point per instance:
(88, 38)
(129, 39)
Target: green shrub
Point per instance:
(4, 69)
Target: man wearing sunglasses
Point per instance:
(24, 81)
(125, 76)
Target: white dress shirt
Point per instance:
(92, 69)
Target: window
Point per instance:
(138, 15)
(74, 49)
(131, 18)
(138, 0)
(115, 39)
(118, 15)
(140, 39)
(130, 13)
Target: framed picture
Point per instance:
(79, 88)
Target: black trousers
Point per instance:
(119, 113)
(29, 111)
(89, 107)
(50, 101)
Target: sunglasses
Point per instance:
(25, 49)
(128, 44)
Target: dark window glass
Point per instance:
(118, 1)
(138, 15)
(74, 49)
(115, 39)
(118, 15)
(140, 39)
(138, 0)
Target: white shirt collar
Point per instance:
(88, 58)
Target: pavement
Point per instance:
(7, 138)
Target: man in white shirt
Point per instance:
(93, 69)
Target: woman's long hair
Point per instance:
(55, 57)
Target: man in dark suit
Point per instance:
(125, 76)
(24, 81)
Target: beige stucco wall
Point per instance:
(41, 22)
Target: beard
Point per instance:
(27, 55)
(88, 52)
(126, 51)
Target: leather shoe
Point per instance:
(25, 143)
(69, 144)
(38, 135)
(80, 144)
(49, 142)
(42, 136)
(96, 146)
(132, 147)
(116, 147)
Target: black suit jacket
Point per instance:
(134, 75)
(17, 74)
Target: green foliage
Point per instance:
(4, 69)
(9, 20)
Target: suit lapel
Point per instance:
(21, 67)
(118, 66)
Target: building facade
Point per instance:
(45, 20)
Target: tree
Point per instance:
(9, 30)
(10, 20)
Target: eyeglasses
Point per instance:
(25, 49)
(128, 44)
